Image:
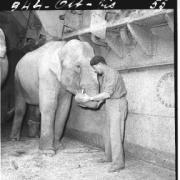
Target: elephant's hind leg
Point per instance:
(20, 109)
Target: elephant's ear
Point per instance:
(65, 56)
(55, 65)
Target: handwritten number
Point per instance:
(26, 6)
(162, 5)
(154, 4)
(37, 5)
(112, 5)
(15, 5)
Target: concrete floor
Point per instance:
(77, 161)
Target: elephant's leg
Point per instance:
(48, 97)
(20, 109)
(33, 121)
(47, 125)
(61, 116)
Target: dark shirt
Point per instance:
(112, 83)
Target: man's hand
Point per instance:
(84, 101)
(100, 97)
(82, 98)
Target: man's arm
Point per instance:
(100, 97)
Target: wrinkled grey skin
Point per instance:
(48, 76)
(3, 57)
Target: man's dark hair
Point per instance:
(97, 59)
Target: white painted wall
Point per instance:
(150, 123)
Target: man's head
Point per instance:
(98, 62)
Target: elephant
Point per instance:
(3, 57)
(48, 77)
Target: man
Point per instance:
(113, 92)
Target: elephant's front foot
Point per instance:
(116, 167)
(47, 152)
(46, 146)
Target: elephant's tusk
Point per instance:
(83, 91)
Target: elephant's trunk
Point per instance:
(89, 85)
(91, 91)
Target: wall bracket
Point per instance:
(143, 36)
